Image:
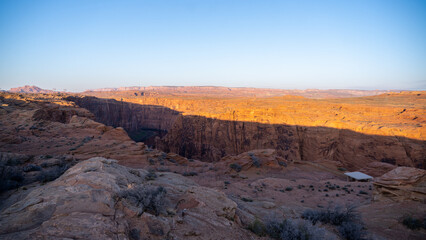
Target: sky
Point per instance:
(79, 44)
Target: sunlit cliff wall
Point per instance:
(210, 138)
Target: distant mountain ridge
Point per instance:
(218, 91)
(30, 89)
(243, 91)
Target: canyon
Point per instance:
(223, 162)
(349, 132)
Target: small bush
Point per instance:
(342, 169)
(149, 198)
(190, 174)
(363, 192)
(351, 231)
(289, 189)
(255, 160)
(247, 199)
(150, 175)
(258, 228)
(134, 234)
(413, 223)
(236, 167)
(281, 163)
(336, 216)
(347, 221)
(293, 230)
(163, 169)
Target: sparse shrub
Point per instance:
(255, 160)
(281, 163)
(163, 169)
(236, 167)
(190, 174)
(149, 198)
(363, 192)
(413, 223)
(293, 230)
(389, 160)
(258, 228)
(289, 189)
(226, 182)
(151, 161)
(336, 216)
(347, 221)
(150, 175)
(134, 234)
(247, 199)
(342, 169)
(135, 172)
(351, 231)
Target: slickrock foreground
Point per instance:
(89, 202)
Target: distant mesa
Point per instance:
(30, 89)
(217, 91)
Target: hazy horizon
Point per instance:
(82, 45)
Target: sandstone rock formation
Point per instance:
(402, 183)
(87, 202)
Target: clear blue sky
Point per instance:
(78, 45)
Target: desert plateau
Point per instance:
(175, 163)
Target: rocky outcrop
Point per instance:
(91, 201)
(402, 183)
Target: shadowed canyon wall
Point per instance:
(142, 122)
(210, 139)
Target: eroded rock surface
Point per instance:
(86, 202)
(402, 183)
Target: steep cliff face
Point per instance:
(142, 122)
(210, 139)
